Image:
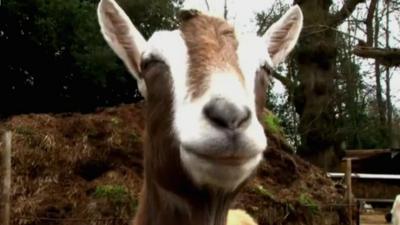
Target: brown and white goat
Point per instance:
(204, 86)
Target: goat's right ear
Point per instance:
(123, 37)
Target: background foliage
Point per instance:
(54, 58)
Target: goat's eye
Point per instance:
(228, 33)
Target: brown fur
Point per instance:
(212, 45)
(261, 84)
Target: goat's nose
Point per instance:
(224, 114)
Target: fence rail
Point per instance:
(366, 176)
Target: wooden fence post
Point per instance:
(5, 170)
(349, 193)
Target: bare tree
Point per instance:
(389, 57)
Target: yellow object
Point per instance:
(239, 217)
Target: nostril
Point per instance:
(215, 117)
(244, 118)
(224, 114)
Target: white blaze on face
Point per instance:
(196, 132)
(190, 126)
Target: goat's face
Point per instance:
(216, 81)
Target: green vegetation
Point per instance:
(272, 123)
(259, 189)
(66, 56)
(115, 193)
(307, 201)
(25, 130)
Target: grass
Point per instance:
(35, 138)
(118, 196)
(115, 193)
(259, 189)
(25, 130)
(307, 201)
(272, 123)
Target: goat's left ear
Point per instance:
(282, 36)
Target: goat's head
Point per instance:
(209, 82)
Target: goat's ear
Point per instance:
(282, 36)
(123, 37)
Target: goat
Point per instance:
(396, 211)
(204, 87)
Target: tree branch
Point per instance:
(386, 56)
(347, 9)
(284, 80)
(225, 9)
(207, 5)
(368, 22)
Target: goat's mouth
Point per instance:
(226, 169)
(221, 159)
(232, 160)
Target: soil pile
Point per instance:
(87, 169)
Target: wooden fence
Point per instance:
(5, 178)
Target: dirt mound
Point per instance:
(87, 169)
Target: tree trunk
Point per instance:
(314, 96)
(388, 103)
(379, 100)
(388, 97)
(321, 143)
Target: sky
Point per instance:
(242, 15)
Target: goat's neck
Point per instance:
(163, 207)
(169, 197)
